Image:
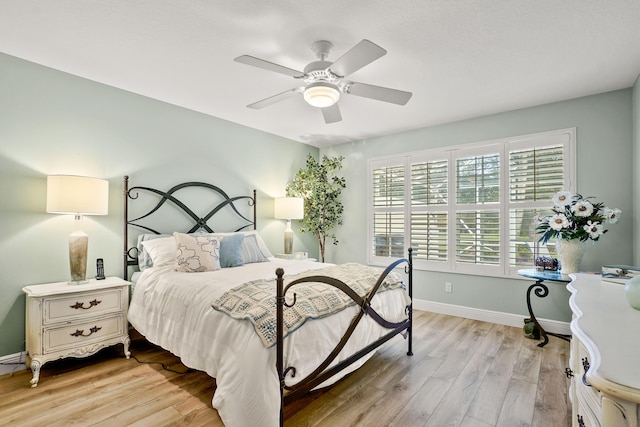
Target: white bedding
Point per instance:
(173, 310)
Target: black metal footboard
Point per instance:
(322, 373)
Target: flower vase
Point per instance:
(570, 253)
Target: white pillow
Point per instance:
(196, 253)
(251, 251)
(263, 247)
(144, 259)
(162, 251)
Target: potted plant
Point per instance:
(321, 189)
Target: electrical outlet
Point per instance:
(447, 287)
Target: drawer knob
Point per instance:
(78, 305)
(80, 332)
(586, 366)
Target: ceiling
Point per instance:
(461, 59)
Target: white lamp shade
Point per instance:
(289, 208)
(78, 195)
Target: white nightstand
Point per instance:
(65, 320)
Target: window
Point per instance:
(470, 208)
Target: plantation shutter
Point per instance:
(477, 230)
(388, 211)
(535, 175)
(429, 204)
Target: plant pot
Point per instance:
(570, 253)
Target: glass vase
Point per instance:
(570, 253)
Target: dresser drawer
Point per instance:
(589, 414)
(80, 334)
(591, 395)
(96, 303)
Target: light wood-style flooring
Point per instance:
(463, 373)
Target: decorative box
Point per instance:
(547, 263)
(619, 273)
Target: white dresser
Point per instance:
(65, 320)
(605, 354)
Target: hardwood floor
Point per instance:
(463, 373)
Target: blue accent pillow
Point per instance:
(231, 251)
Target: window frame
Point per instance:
(565, 137)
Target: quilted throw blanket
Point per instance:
(256, 300)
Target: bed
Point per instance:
(260, 326)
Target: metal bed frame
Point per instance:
(322, 372)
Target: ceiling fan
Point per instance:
(325, 81)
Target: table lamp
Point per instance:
(77, 195)
(288, 208)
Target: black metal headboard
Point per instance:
(199, 222)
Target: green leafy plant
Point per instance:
(321, 189)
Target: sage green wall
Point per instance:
(55, 123)
(636, 172)
(604, 170)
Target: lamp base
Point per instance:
(288, 239)
(77, 282)
(78, 244)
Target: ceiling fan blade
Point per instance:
(380, 93)
(331, 114)
(275, 98)
(261, 63)
(360, 55)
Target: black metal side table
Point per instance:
(541, 291)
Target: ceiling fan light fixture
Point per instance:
(321, 94)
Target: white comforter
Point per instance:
(173, 310)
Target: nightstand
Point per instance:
(65, 320)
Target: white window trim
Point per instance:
(504, 145)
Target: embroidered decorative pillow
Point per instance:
(231, 250)
(196, 253)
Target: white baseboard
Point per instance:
(13, 362)
(500, 318)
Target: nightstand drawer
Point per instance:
(83, 334)
(94, 303)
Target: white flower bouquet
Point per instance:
(575, 218)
